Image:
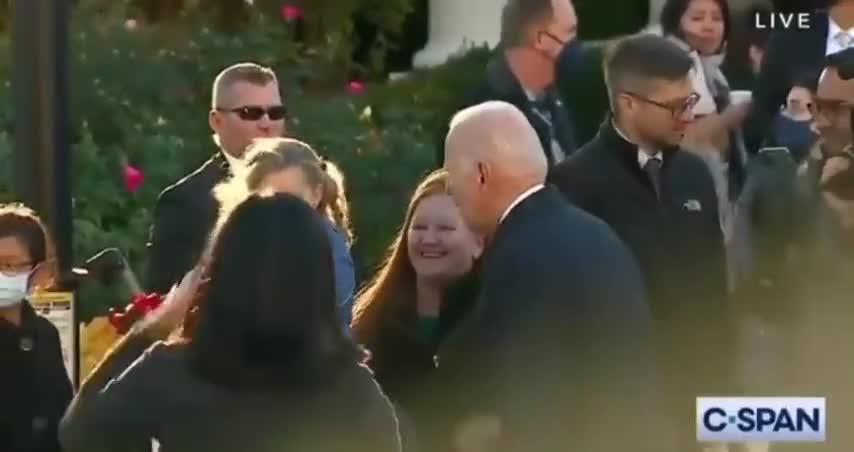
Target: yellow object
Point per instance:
(96, 338)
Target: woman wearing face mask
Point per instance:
(413, 302)
(35, 385)
(702, 27)
(286, 165)
(792, 128)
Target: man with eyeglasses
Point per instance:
(535, 36)
(662, 203)
(246, 104)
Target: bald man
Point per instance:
(558, 345)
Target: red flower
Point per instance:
(291, 13)
(139, 307)
(355, 87)
(133, 177)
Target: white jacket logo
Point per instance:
(693, 205)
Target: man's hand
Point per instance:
(477, 434)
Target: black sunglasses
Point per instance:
(675, 109)
(254, 113)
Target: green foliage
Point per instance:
(142, 95)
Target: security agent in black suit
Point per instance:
(792, 55)
(662, 203)
(559, 343)
(246, 104)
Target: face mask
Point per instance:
(570, 61)
(13, 289)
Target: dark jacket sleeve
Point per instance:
(772, 87)
(173, 240)
(107, 413)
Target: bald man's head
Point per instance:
(492, 154)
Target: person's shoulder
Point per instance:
(201, 179)
(581, 163)
(162, 358)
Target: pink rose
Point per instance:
(291, 13)
(355, 87)
(133, 178)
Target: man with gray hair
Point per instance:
(559, 342)
(245, 104)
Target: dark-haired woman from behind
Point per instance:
(266, 366)
(413, 303)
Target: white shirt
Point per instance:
(519, 199)
(835, 34)
(237, 165)
(643, 156)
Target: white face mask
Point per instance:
(13, 289)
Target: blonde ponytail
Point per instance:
(334, 200)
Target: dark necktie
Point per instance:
(652, 168)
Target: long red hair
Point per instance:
(394, 283)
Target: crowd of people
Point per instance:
(546, 291)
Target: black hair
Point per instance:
(673, 10)
(21, 222)
(268, 314)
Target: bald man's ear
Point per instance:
(482, 173)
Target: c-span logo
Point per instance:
(773, 419)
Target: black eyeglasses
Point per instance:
(676, 109)
(254, 113)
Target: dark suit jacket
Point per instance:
(36, 388)
(558, 344)
(183, 218)
(678, 241)
(790, 55)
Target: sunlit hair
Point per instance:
(267, 314)
(266, 156)
(21, 222)
(389, 294)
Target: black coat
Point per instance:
(790, 56)
(35, 385)
(677, 241)
(183, 218)
(559, 342)
(122, 408)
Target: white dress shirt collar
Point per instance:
(834, 32)
(643, 156)
(527, 193)
(235, 164)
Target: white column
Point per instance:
(655, 7)
(459, 24)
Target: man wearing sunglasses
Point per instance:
(246, 104)
(535, 36)
(662, 203)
